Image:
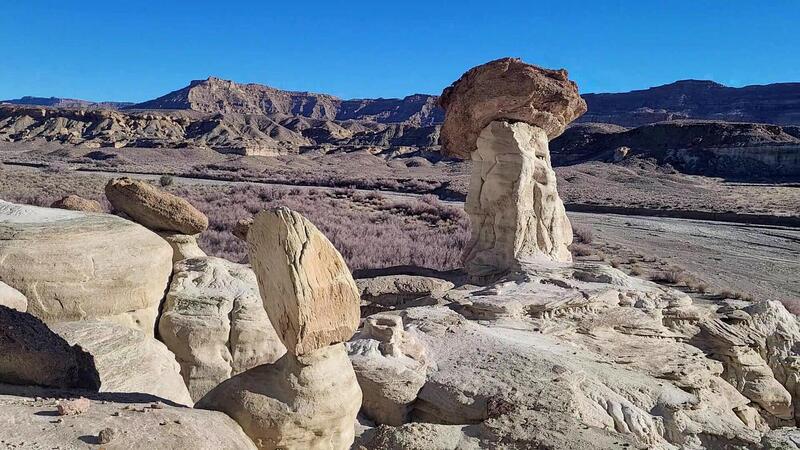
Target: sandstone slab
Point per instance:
(214, 322)
(77, 203)
(106, 267)
(306, 287)
(154, 208)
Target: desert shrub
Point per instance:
(672, 275)
(636, 271)
(166, 180)
(582, 234)
(57, 167)
(580, 250)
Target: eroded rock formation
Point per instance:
(503, 114)
(77, 203)
(310, 397)
(73, 265)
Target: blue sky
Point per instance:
(134, 51)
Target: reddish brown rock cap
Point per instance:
(506, 89)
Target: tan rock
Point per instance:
(153, 208)
(513, 203)
(33, 354)
(511, 90)
(77, 203)
(127, 360)
(107, 267)
(73, 407)
(183, 246)
(395, 290)
(214, 322)
(242, 227)
(12, 298)
(305, 285)
(300, 402)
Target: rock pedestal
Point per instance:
(513, 203)
(309, 398)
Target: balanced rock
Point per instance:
(306, 287)
(242, 227)
(127, 360)
(77, 203)
(300, 402)
(511, 90)
(183, 246)
(33, 354)
(154, 208)
(12, 298)
(215, 324)
(513, 204)
(390, 365)
(106, 267)
(396, 290)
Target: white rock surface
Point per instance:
(514, 207)
(12, 298)
(390, 365)
(74, 265)
(300, 402)
(27, 416)
(305, 285)
(214, 322)
(127, 360)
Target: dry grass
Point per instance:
(582, 234)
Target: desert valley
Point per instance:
(509, 264)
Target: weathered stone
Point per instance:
(506, 90)
(76, 203)
(73, 407)
(513, 203)
(300, 402)
(106, 435)
(183, 246)
(31, 353)
(12, 298)
(105, 267)
(394, 290)
(305, 285)
(154, 208)
(242, 227)
(127, 360)
(214, 322)
(390, 365)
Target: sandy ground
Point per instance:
(760, 261)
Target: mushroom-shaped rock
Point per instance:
(73, 265)
(214, 322)
(306, 287)
(184, 246)
(511, 90)
(77, 203)
(242, 227)
(154, 208)
(33, 354)
(502, 114)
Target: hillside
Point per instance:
(697, 99)
(58, 102)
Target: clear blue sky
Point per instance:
(137, 50)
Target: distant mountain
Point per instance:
(58, 102)
(215, 95)
(697, 99)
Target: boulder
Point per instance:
(215, 324)
(107, 267)
(12, 298)
(127, 360)
(76, 203)
(300, 402)
(242, 227)
(139, 422)
(183, 246)
(33, 354)
(154, 208)
(395, 290)
(506, 89)
(513, 204)
(390, 365)
(305, 285)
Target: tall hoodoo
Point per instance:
(503, 114)
(310, 397)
